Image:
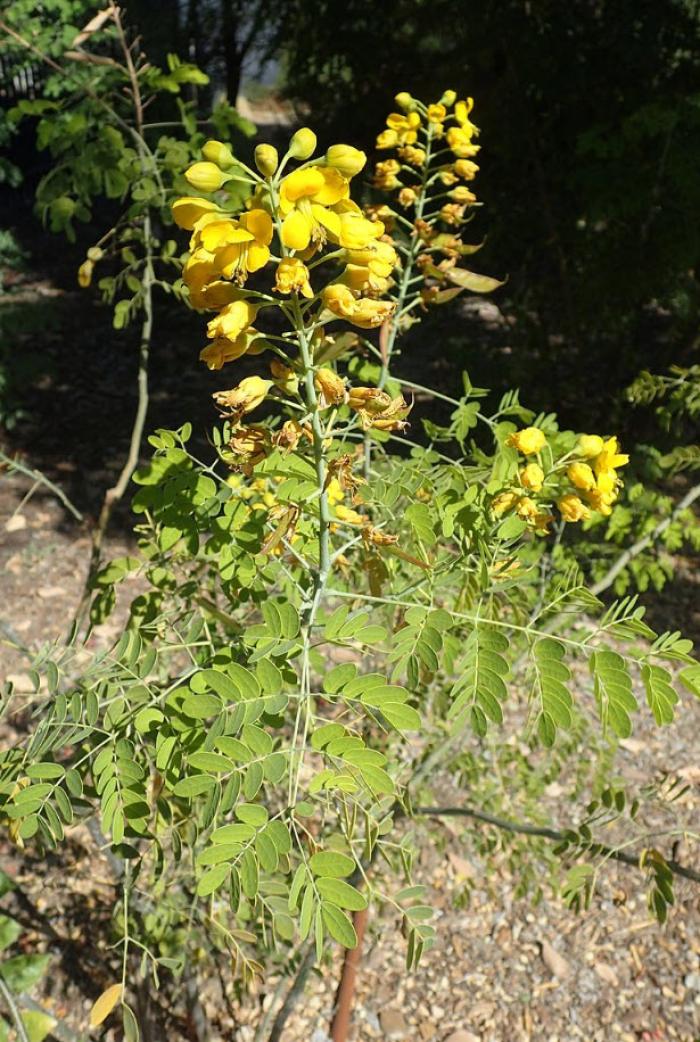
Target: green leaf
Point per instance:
(38, 1024)
(612, 687)
(342, 894)
(23, 971)
(212, 880)
(481, 689)
(331, 864)
(196, 785)
(199, 707)
(215, 762)
(551, 675)
(660, 694)
(10, 930)
(338, 925)
(251, 814)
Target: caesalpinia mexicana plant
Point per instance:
(326, 621)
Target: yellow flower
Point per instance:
(572, 508)
(348, 160)
(365, 313)
(462, 112)
(240, 246)
(527, 509)
(581, 475)
(292, 276)
(189, 209)
(330, 386)
(452, 213)
(85, 274)
(248, 395)
(461, 194)
(448, 178)
(303, 143)
(219, 153)
(205, 177)
(285, 378)
(348, 515)
(266, 159)
(590, 445)
(601, 502)
(465, 169)
(385, 175)
(610, 457)
(411, 154)
(387, 139)
(529, 440)
(407, 197)
(379, 258)
(460, 141)
(334, 492)
(199, 270)
(436, 113)
(532, 477)
(405, 127)
(504, 502)
(251, 445)
(232, 320)
(370, 399)
(305, 201)
(223, 350)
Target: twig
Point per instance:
(634, 551)
(12, 1006)
(41, 479)
(294, 993)
(546, 833)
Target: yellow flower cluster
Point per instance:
(583, 481)
(305, 210)
(412, 133)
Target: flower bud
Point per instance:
(348, 160)
(532, 477)
(85, 274)
(266, 159)
(590, 445)
(330, 386)
(449, 98)
(219, 153)
(95, 253)
(205, 177)
(303, 143)
(572, 509)
(285, 378)
(248, 395)
(581, 475)
(404, 100)
(528, 441)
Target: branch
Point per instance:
(545, 833)
(41, 479)
(634, 551)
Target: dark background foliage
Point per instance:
(590, 116)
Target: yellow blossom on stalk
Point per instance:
(572, 508)
(402, 130)
(190, 208)
(460, 141)
(452, 213)
(461, 194)
(600, 501)
(222, 350)
(206, 177)
(448, 98)
(379, 258)
(465, 169)
(529, 440)
(348, 515)
(504, 502)
(216, 295)
(306, 199)
(219, 153)
(330, 386)
(348, 160)
(581, 475)
(292, 276)
(285, 378)
(266, 159)
(248, 395)
(232, 320)
(527, 509)
(448, 178)
(365, 313)
(610, 457)
(590, 445)
(407, 197)
(378, 409)
(303, 143)
(385, 175)
(532, 477)
(334, 492)
(463, 110)
(413, 155)
(85, 273)
(436, 113)
(240, 247)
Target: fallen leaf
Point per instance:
(555, 963)
(105, 1004)
(16, 523)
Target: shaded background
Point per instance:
(590, 176)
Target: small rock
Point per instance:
(692, 981)
(16, 523)
(51, 591)
(606, 973)
(555, 963)
(462, 1036)
(393, 1024)
(427, 1030)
